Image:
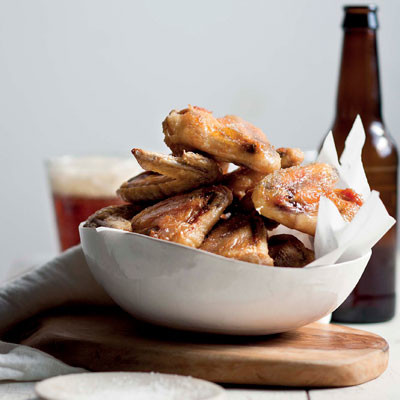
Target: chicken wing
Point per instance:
(188, 166)
(243, 237)
(347, 202)
(291, 196)
(228, 139)
(288, 251)
(245, 206)
(186, 218)
(242, 180)
(118, 217)
(290, 157)
(151, 186)
(240, 125)
(180, 174)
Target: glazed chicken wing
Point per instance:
(288, 251)
(168, 175)
(150, 186)
(244, 179)
(186, 218)
(118, 217)
(188, 166)
(245, 206)
(291, 196)
(243, 237)
(240, 125)
(290, 157)
(228, 139)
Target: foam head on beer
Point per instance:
(91, 176)
(82, 185)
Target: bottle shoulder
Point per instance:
(379, 148)
(379, 141)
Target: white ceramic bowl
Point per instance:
(180, 287)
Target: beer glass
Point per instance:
(82, 185)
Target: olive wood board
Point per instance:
(107, 339)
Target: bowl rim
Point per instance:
(234, 261)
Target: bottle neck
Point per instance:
(359, 87)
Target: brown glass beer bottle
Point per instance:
(373, 299)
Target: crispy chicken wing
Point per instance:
(118, 217)
(186, 218)
(288, 251)
(188, 166)
(245, 206)
(228, 139)
(290, 157)
(179, 175)
(291, 196)
(151, 186)
(240, 125)
(243, 237)
(242, 180)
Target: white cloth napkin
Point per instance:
(63, 280)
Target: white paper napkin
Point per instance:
(335, 239)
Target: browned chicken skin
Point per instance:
(240, 125)
(243, 237)
(188, 166)
(118, 217)
(150, 186)
(245, 206)
(168, 175)
(290, 157)
(201, 205)
(242, 180)
(186, 218)
(228, 139)
(288, 251)
(291, 196)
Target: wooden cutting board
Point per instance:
(107, 339)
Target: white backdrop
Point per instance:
(94, 76)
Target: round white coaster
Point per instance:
(127, 385)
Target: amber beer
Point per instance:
(72, 210)
(373, 299)
(82, 185)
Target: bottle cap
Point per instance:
(362, 16)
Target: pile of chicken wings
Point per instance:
(190, 198)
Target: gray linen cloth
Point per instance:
(63, 280)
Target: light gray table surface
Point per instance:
(386, 387)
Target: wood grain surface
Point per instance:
(106, 339)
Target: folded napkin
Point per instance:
(63, 280)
